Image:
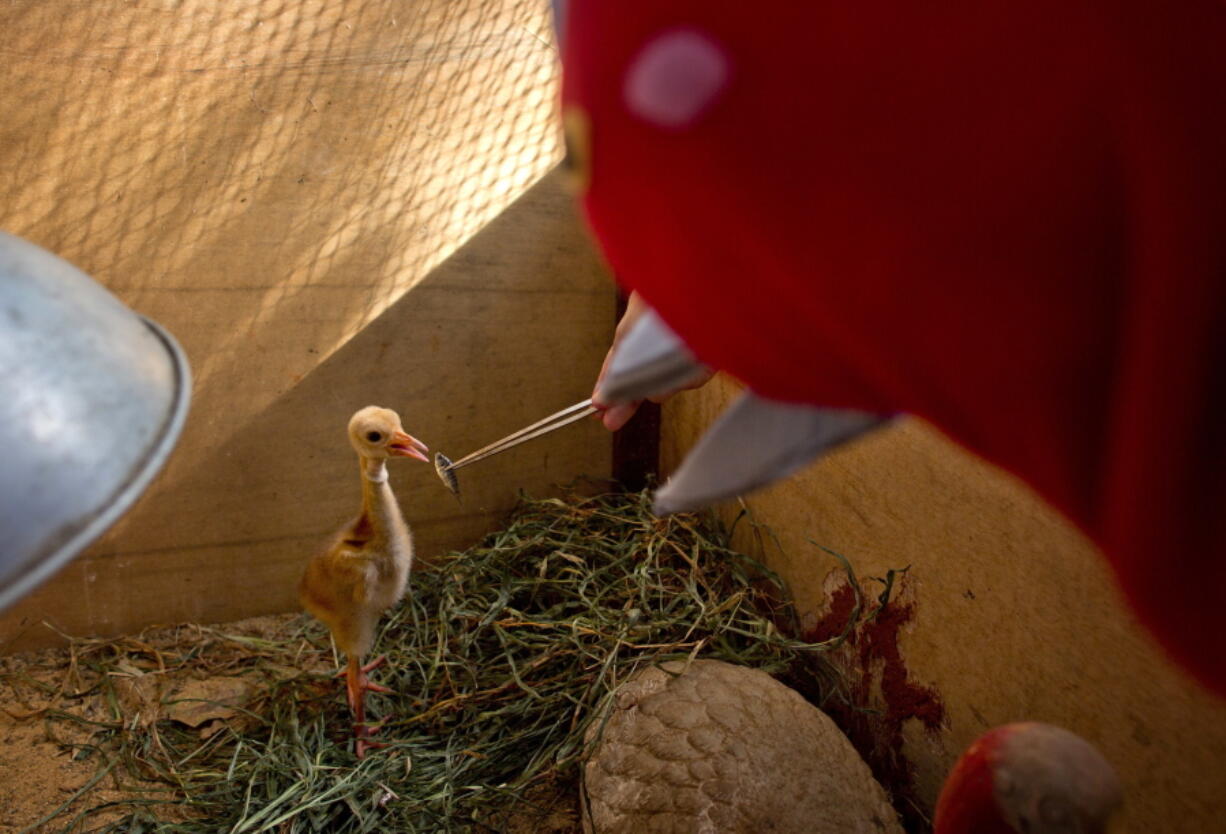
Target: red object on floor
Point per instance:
(967, 802)
(1007, 218)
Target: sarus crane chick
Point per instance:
(365, 567)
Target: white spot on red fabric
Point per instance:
(675, 77)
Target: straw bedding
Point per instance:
(500, 659)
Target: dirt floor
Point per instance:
(47, 763)
(53, 706)
(38, 773)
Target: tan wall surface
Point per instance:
(1015, 615)
(293, 191)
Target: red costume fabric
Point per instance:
(1006, 218)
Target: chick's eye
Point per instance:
(374, 436)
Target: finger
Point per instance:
(617, 416)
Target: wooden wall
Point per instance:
(330, 203)
(1006, 613)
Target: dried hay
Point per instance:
(500, 658)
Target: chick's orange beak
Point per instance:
(407, 446)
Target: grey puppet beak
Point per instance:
(650, 360)
(754, 442)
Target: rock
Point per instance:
(713, 748)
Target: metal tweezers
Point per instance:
(553, 422)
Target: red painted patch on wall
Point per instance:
(881, 697)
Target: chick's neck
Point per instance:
(379, 506)
(374, 471)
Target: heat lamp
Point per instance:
(93, 398)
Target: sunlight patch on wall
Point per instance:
(267, 178)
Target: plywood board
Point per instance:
(512, 327)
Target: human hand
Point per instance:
(616, 416)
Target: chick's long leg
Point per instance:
(363, 683)
(356, 687)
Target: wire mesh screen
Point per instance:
(264, 177)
